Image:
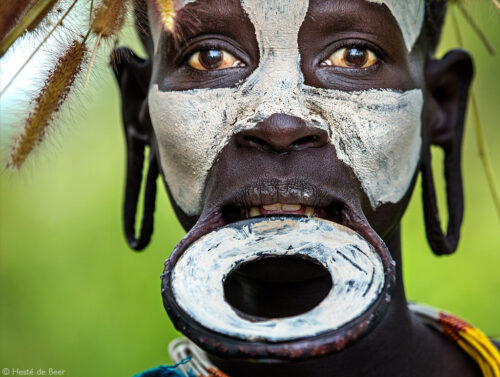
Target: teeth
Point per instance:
(254, 212)
(309, 211)
(291, 207)
(282, 207)
(272, 207)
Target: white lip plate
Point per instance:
(356, 269)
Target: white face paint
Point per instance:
(375, 132)
(410, 17)
(408, 14)
(355, 267)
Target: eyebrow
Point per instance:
(345, 17)
(200, 16)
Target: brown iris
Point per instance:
(355, 57)
(213, 59)
(351, 57)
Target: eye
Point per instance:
(351, 57)
(212, 59)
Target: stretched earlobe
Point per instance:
(132, 74)
(135, 158)
(448, 82)
(442, 244)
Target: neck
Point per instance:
(395, 347)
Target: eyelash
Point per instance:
(218, 44)
(360, 44)
(199, 46)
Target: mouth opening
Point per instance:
(333, 212)
(277, 287)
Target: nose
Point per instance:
(282, 133)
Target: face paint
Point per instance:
(375, 132)
(410, 17)
(408, 14)
(356, 270)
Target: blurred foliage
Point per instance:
(74, 297)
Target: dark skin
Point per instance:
(272, 162)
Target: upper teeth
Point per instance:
(277, 207)
(309, 211)
(254, 211)
(282, 207)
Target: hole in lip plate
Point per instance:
(277, 286)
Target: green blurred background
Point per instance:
(74, 297)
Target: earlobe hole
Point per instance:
(437, 162)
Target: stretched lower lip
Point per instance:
(305, 346)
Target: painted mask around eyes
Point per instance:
(376, 132)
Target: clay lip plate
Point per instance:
(221, 331)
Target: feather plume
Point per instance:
(41, 16)
(18, 16)
(108, 20)
(48, 102)
(167, 13)
(10, 13)
(109, 17)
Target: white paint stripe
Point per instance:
(410, 16)
(375, 132)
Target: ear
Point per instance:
(133, 75)
(448, 81)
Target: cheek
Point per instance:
(191, 130)
(378, 134)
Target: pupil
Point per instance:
(211, 59)
(355, 57)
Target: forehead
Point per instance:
(406, 17)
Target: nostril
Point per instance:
(305, 142)
(254, 141)
(282, 133)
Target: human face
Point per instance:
(370, 116)
(289, 107)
